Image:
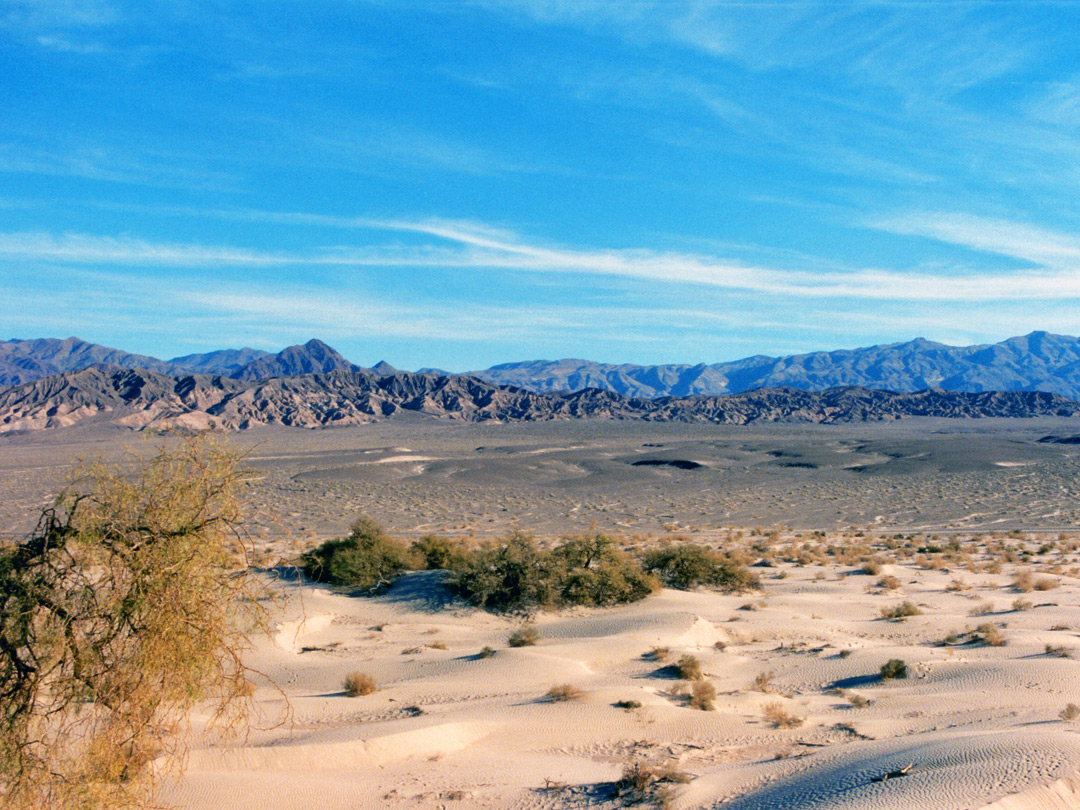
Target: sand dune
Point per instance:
(972, 727)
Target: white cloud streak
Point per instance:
(464, 246)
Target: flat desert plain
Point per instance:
(947, 546)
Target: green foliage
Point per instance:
(117, 616)
(591, 570)
(437, 553)
(367, 559)
(514, 574)
(687, 565)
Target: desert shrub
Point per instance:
(644, 783)
(524, 636)
(658, 654)
(507, 575)
(514, 574)
(1057, 651)
(1023, 582)
(888, 582)
(591, 570)
(687, 565)
(776, 714)
(688, 667)
(123, 609)
(564, 692)
(1022, 604)
(703, 696)
(893, 668)
(901, 611)
(989, 635)
(486, 652)
(359, 683)
(1070, 712)
(437, 553)
(871, 568)
(628, 704)
(762, 682)
(858, 701)
(1046, 584)
(367, 559)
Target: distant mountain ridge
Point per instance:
(1039, 361)
(137, 399)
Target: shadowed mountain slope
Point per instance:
(137, 399)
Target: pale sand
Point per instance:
(979, 724)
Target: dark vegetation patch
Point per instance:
(515, 574)
(1060, 440)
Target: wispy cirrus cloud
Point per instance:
(462, 246)
(1016, 239)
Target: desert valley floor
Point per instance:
(968, 526)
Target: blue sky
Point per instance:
(458, 183)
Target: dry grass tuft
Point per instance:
(564, 692)
(359, 683)
(776, 714)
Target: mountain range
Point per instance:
(54, 383)
(137, 398)
(1039, 361)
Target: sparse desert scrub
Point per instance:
(981, 609)
(1022, 604)
(367, 559)
(888, 582)
(658, 654)
(688, 667)
(858, 701)
(779, 716)
(1070, 712)
(1023, 582)
(627, 704)
(359, 683)
(525, 636)
(762, 682)
(901, 611)
(1045, 584)
(703, 696)
(893, 668)
(643, 783)
(486, 652)
(564, 693)
(687, 565)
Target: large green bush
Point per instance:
(368, 558)
(687, 565)
(514, 574)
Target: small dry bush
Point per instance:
(688, 667)
(762, 682)
(858, 701)
(525, 636)
(1058, 652)
(644, 783)
(486, 652)
(1070, 712)
(989, 635)
(359, 683)
(564, 693)
(981, 609)
(1022, 604)
(703, 696)
(893, 668)
(888, 582)
(776, 714)
(1023, 582)
(871, 567)
(627, 704)
(1046, 584)
(658, 654)
(901, 611)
